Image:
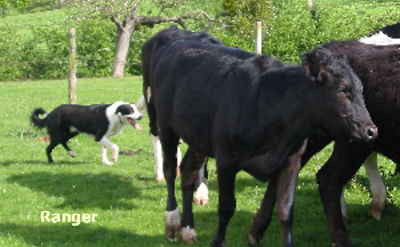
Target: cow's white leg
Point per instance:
(343, 206)
(377, 186)
(158, 157)
(188, 235)
(179, 156)
(105, 144)
(141, 104)
(172, 222)
(200, 196)
(179, 160)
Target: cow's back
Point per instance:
(189, 81)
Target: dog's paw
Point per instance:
(107, 163)
(114, 159)
(72, 154)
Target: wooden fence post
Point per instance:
(259, 38)
(311, 4)
(72, 81)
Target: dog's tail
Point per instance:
(35, 120)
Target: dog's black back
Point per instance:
(89, 119)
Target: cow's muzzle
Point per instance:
(371, 133)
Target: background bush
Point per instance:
(35, 46)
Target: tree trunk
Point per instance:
(61, 3)
(123, 42)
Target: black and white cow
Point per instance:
(245, 116)
(379, 70)
(389, 35)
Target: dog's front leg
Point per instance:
(115, 153)
(105, 143)
(104, 157)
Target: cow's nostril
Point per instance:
(372, 133)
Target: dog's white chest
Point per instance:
(115, 128)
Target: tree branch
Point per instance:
(152, 20)
(118, 23)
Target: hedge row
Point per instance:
(290, 30)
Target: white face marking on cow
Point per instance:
(72, 129)
(379, 39)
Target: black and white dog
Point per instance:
(101, 121)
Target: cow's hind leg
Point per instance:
(201, 193)
(158, 158)
(287, 180)
(169, 143)
(344, 162)
(263, 217)
(226, 174)
(190, 165)
(378, 188)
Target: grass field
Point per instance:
(129, 204)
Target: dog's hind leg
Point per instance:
(65, 145)
(49, 149)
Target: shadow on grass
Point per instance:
(39, 162)
(103, 190)
(81, 236)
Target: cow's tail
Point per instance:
(151, 111)
(148, 101)
(36, 120)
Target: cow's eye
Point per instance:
(347, 93)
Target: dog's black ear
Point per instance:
(124, 109)
(118, 111)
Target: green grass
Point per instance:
(129, 203)
(22, 24)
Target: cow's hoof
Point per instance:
(107, 163)
(72, 154)
(188, 235)
(376, 212)
(200, 197)
(252, 240)
(342, 244)
(172, 224)
(217, 243)
(171, 232)
(160, 179)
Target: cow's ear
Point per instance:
(309, 68)
(315, 65)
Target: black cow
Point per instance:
(160, 40)
(246, 115)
